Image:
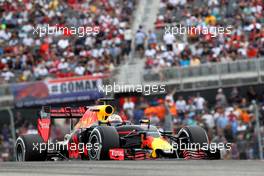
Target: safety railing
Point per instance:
(239, 72)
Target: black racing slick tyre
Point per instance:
(102, 139)
(193, 134)
(28, 148)
(196, 136)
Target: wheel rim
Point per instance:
(19, 155)
(184, 136)
(94, 152)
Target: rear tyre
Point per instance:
(28, 148)
(102, 139)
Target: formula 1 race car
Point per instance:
(102, 135)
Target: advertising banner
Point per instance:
(58, 90)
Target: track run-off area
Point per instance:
(140, 168)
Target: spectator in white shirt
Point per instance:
(169, 39)
(213, 2)
(79, 70)
(128, 107)
(199, 103)
(4, 35)
(41, 71)
(209, 119)
(181, 107)
(128, 38)
(7, 74)
(181, 104)
(150, 52)
(63, 43)
(63, 65)
(28, 41)
(190, 107)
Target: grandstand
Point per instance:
(215, 82)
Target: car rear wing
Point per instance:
(47, 113)
(63, 112)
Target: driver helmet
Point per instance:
(115, 119)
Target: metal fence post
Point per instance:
(258, 70)
(180, 76)
(219, 72)
(258, 130)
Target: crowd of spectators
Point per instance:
(25, 55)
(243, 40)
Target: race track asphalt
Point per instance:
(139, 168)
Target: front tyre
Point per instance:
(194, 135)
(197, 136)
(192, 140)
(102, 139)
(28, 148)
